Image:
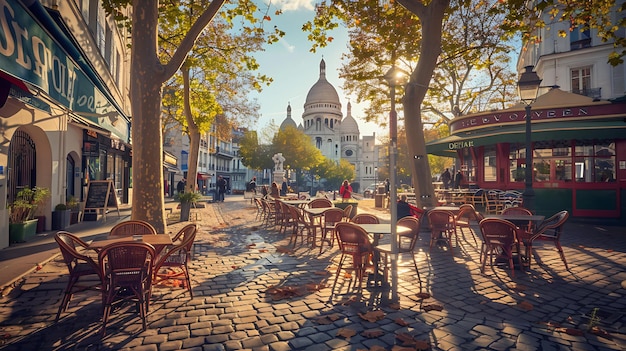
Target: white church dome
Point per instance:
(322, 91)
(288, 121)
(349, 124)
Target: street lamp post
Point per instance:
(392, 79)
(528, 86)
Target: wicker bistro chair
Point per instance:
(464, 218)
(301, 224)
(81, 268)
(353, 242)
(406, 245)
(442, 227)
(347, 212)
(549, 230)
(365, 218)
(320, 203)
(331, 217)
(174, 264)
(260, 211)
(126, 269)
(499, 239)
(132, 227)
(288, 221)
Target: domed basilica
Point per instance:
(336, 137)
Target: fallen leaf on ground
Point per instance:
(322, 273)
(525, 305)
(519, 287)
(394, 306)
(372, 316)
(372, 333)
(601, 332)
(283, 292)
(433, 307)
(234, 267)
(346, 333)
(377, 348)
(328, 319)
(550, 324)
(263, 250)
(282, 249)
(314, 287)
(400, 321)
(409, 343)
(249, 246)
(423, 295)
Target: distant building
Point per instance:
(335, 136)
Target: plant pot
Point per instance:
(60, 219)
(185, 209)
(20, 232)
(74, 217)
(41, 224)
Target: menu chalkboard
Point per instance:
(100, 195)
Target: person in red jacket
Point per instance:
(345, 191)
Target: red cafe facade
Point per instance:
(579, 153)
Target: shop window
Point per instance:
(517, 162)
(552, 161)
(595, 162)
(490, 171)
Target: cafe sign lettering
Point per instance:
(518, 116)
(457, 145)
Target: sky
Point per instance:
(295, 69)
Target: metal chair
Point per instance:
(347, 213)
(126, 269)
(331, 217)
(80, 267)
(353, 242)
(406, 244)
(464, 218)
(499, 239)
(132, 227)
(320, 203)
(549, 230)
(442, 227)
(174, 263)
(365, 218)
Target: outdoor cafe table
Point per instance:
(316, 212)
(521, 221)
(297, 203)
(453, 209)
(159, 241)
(378, 230)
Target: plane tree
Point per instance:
(150, 70)
(415, 40)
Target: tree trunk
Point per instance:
(431, 18)
(194, 134)
(146, 82)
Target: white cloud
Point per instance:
(295, 5)
(290, 48)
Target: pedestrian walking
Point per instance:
(221, 188)
(180, 187)
(446, 177)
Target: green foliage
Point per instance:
(60, 207)
(335, 173)
(188, 196)
(255, 155)
(26, 203)
(598, 15)
(297, 148)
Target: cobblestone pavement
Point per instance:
(237, 261)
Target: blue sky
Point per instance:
(295, 69)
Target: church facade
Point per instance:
(335, 136)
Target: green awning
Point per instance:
(448, 146)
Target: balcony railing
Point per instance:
(594, 93)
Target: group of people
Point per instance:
(446, 179)
(221, 185)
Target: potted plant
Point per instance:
(21, 213)
(343, 204)
(60, 217)
(186, 199)
(72, 205)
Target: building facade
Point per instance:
(64, 103)
(335, 136)
(578, 130)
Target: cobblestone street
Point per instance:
(253, 291)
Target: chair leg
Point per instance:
(561, 253)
